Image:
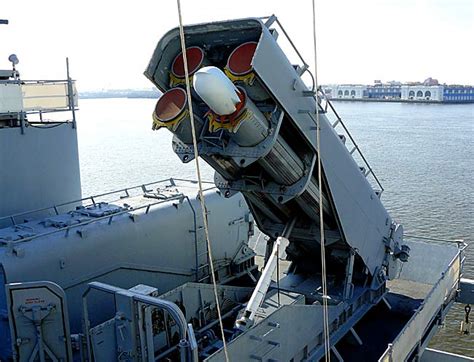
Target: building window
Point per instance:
(419, 94)
(411, 94)
(427, 94)
(346, 92)
(353, 93)
(339, 93)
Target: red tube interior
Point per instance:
(194, 55)
(170, 104)
(240, 59)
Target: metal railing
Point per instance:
(94, 200)
(269, 21)
(414, 330)
(33, 99)
(369, 171)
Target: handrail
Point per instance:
(451, 241)
(340, 121)
(34, 81)
(171, 308)
(95, 219)
(274, 19)
(93, 198)
(70, 94)
(388, 353)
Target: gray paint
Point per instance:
(466, 291)
(49, 311)
(38, 169)
(364, 220)
(155, 247)
(160, 246)
(364, 224)
(433, 355)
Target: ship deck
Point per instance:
(411, 310)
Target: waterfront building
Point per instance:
(427, 91)
(347, 91)
(458, 94)
(383, 91)
(420, 92)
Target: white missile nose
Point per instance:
(216, 90)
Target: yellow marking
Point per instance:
(171, 124)
(248, 78)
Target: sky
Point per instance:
(109, 43)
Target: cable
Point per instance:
(327, 346)
(198, 172)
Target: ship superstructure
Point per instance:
(39, 156)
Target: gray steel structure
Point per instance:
(277, 176)
(40, 167)
(141, 247)
(150, 234)
(354, 215)
(276, 173)
(39, 159)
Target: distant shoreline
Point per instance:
(121, 94)
(155, 94)
(418, 101)
(117, 96)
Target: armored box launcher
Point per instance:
(256, 124)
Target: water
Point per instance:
(423, 155)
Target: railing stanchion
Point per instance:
(70, 89)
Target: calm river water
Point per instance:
(422, 153)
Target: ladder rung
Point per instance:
(336, 123)
(353, 150)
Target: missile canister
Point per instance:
(196, 60)
(230, 108)
(246, 124)
(172, 112)
(239, 70)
